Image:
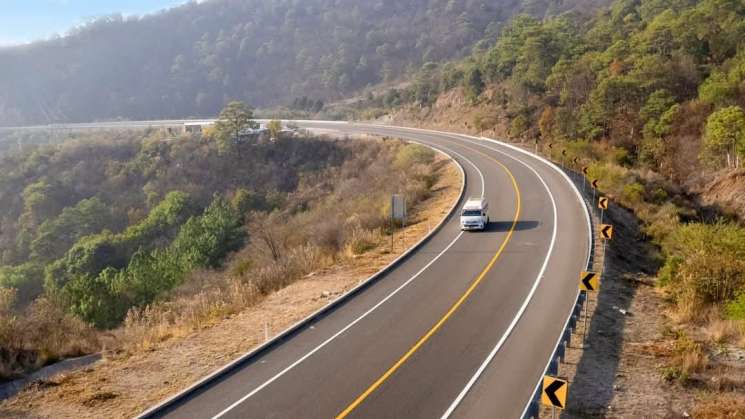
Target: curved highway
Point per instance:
(463, 327)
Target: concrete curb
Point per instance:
(267, 346)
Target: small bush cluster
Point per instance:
(139, 239)
(339, 214)
(41, 334)
(706, 265)
(703, 262)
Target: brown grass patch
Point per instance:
(167, 341)
(728, 405)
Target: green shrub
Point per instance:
(669, 270)
(661, 222)
(735, 309)
(412, 154)
(612, 177)
(633, 193)
(706, 265)
(621, 157)
(27, 279)
(659, 196)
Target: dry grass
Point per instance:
(42, 334)
(344, 222)
(727, 405)
(719, 330)
(690, 356)
(144, 329)
(181, 361)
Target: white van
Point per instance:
(475, 214)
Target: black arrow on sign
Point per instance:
(606, 231)
(586, 281)
(595, 183)
(585, 169)
(551, 393)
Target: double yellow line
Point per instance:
(374, 386)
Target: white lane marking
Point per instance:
(354, 322)
(449, 150)
(525, 304)
(579, 197)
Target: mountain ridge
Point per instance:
(263, 52)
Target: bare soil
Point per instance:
(725, 193)
(622, 371)
(123, 385)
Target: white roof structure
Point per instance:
(475, 203)
(198, 123)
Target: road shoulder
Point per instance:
(124, 385)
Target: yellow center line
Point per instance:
(344, 413)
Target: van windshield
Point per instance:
(471, 213)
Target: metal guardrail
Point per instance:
(533, 408)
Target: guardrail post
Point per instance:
(567, 337)
(561, 351)
(553, 367)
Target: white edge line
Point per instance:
(358, 319)
(589, 253)
(526, 302)
(309, 318)
(337, 334)
(590, 231)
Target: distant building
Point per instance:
(253, 134)
(196, 127)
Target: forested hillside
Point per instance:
(661, 80)
(648, 96)
(72, 213)
(192, 60)
(106, 228)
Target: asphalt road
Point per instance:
(411, 345)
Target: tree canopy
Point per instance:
(193, 59)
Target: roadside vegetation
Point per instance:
(272, 52)
(648, 94)
(109, 239)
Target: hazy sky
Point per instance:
(23, 21)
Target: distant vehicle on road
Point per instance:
(475, 214)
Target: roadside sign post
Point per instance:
(393, 231)
(554, 392)
(603, 205)
(606, 234)
(587, 315)
(588, 281)
(398, 213)
(594, 188)
(585, 170)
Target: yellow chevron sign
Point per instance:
(554, 392)
(589, 281)
(606, 231)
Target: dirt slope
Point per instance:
(123, 385)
